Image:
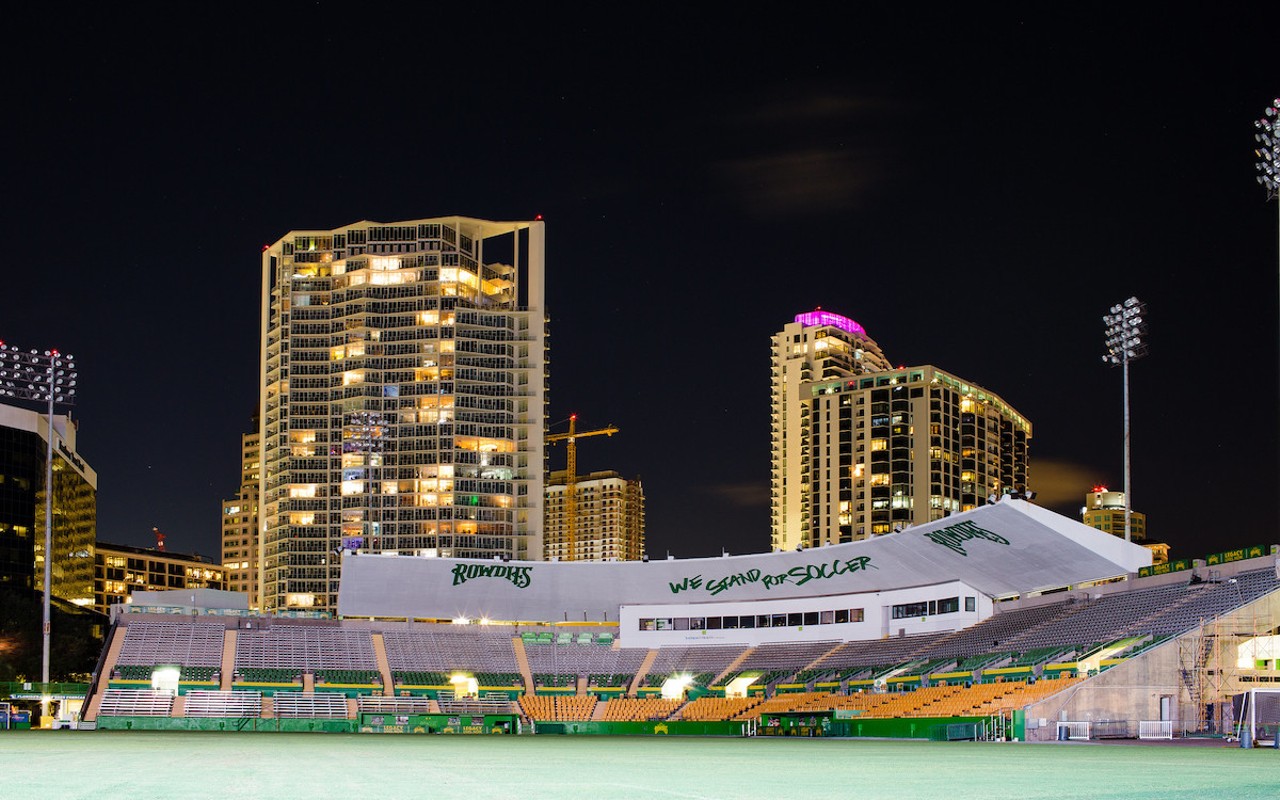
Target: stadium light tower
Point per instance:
(43, 376)
(1268, 153)
(1126, 325)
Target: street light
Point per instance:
(1126, 325)
(41, 375)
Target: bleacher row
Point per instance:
(1012, 645)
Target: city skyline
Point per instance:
(975, 192)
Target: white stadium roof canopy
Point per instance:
(1008, 549)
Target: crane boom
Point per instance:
(571, 477)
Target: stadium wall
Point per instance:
(657, 728)
(1195, 670)
(288, 725)
(644, 626)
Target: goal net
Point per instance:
(1257, 716)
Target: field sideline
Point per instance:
(281, 766)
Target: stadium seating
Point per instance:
(1017, 657)
(204, 703)
(638, 709)
(150, 644)
(718, 708)
(569, 708)
(446, 649)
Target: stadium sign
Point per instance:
(520, 577)
(1165, 568)
(1257, 551)
(798, 575)
(954, 536)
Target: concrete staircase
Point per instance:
(90, 712)
(228, 658)
(732, 668)
(384, 666)
(522, 659)
(642, 673)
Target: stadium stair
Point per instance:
(309, 682)
(522, 660)
(817, 661)
(179, 707)
(268, 707)
(108, 664)
(641, 673)
(384, 666)
(733, 667)
(228, 658)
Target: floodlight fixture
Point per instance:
(1268, 151)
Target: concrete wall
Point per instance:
(1203, 660)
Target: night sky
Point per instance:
(975, 191)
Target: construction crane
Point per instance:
(571, 478)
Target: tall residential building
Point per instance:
(1104, 509)
(23, 453)
(608, 519)
(815, 346)
(240, 524)
(403, 393)
(891, 449)
(121, 570)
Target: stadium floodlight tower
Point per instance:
(1126, 327)
(42, 376)
(1268, 153)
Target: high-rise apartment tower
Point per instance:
(895, 448)
(608, 518)
(240, 523)
(402, 397)
(815, 346)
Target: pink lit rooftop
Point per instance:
(820, 317)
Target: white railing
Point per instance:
(136, 703)
(208, 703)
(1073, 730)
(1155, 729)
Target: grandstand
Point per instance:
(920, 658)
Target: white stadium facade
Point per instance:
(955, 570)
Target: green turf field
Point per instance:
(156, 766)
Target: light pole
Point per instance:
(1126, 325)
(41, 375)
(1268, 153)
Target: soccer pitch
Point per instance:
(283, 766)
